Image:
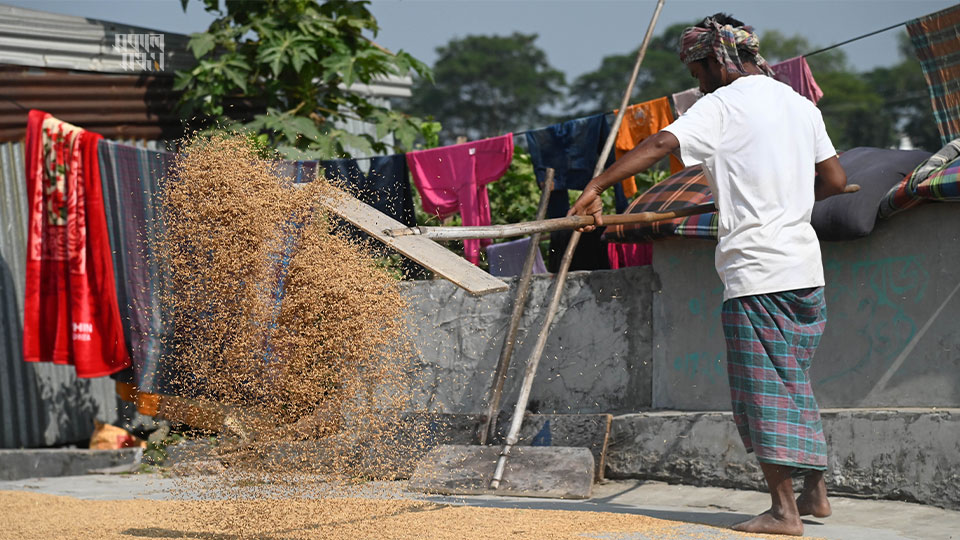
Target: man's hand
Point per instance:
(648, 152)
(589, 204)
(831, 179)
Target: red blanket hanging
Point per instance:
(70, 306)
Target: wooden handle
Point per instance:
(558, 224)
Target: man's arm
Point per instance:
(641, 158)
(831, 179)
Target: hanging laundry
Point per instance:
(454, 179)
(684, 100)
(507, 258)
(300, 171)
(572, 150)
(699, 226)
(935, 42)
(796, 73)
(386, 186)
(591, 252)
(639, 122)
(70, 306)
(131, 184)
(626, 255)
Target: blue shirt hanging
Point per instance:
(572, 149)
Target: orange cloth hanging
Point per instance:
(639, 122)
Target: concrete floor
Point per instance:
(853, 519)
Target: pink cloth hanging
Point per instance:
(796, 72)
(454, 179)
(624, 255)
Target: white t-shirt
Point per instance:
(758, 141)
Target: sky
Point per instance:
(575, 34)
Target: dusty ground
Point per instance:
(38, 515)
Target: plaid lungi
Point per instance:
(771, 339)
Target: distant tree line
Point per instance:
(488, 85)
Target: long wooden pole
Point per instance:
(556, 224)
(531, 370)
(523, 290)
(548, 225)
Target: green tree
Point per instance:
(776, 47)
(661, 74)
(296, 59)
(853, 111)
(904, 90)
(488, 85)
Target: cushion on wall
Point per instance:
(876, 171)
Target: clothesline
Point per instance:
(851, 40)
(818, 51)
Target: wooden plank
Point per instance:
(424, 251)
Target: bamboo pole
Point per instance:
(531, 370)
(546, 225)
(557, 224)
(523, 290)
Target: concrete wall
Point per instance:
(891, 338)
(597, 358)
(898, 454)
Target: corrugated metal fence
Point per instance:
(40, 404)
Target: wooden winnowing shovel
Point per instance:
(423, 250)
(565, 472)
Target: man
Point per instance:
(760, 144)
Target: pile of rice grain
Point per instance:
(34, 515)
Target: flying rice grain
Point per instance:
(290, 330)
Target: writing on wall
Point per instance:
(869, 301)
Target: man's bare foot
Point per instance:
(813, 499)
(782, 517)
(769, 523)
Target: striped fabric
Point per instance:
(771, 339)
(937, 179)
(936, 39)
(131, 180)
(899, 198)
(686, 188)
(699, 226)
(943, 185)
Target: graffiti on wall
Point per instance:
(870, 300)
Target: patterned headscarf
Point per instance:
(723, 42)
